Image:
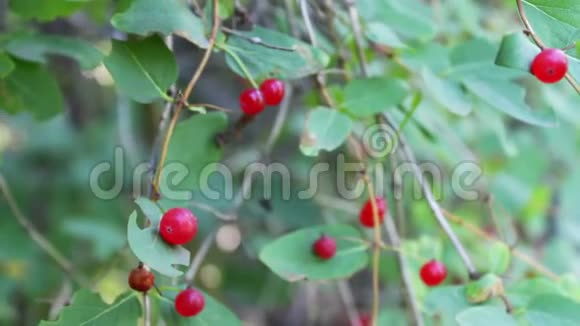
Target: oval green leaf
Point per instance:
(326, 129)
(167, 17)
(297, 61)
(142, 69)
(291, 257)
(366, 97)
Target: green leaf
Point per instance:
(213, 313)
(365, 97)
(262, 61)
(105, 237)
(44, 10)
(485, 288)
(566, 11)
(37, 47)
(516, 51)
(192, 150)
(411, 18)
(485, 316)
(326, 129)
(553, 31)
(166, 17)
(499, 257)
(446, 301)
(31, 88)
(6, 65)
(446, 93)
(291, 257)
(509, 98)
(87, 308)
(380, 33)
(142, 69)
(149, 247)
(553, 310)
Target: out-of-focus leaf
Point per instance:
(484, 316)
(88, 308)
(31, 88)
(447, 93)
(44, 10)
(167, 17)
(192, 149)
(381, 33)
(325, 129)
(509, 98)
(553, 310)
(365, 97)
(516, 51)
(6, 65)
(37, 47)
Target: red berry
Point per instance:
(189, 302)
(178, 226)
(324, 247)
(273, 91)
(366, 217)
(141, 278)
(433, 273)
(364, 320)
(252, 101)
(550, 66)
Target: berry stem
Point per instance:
(146, 309)
(183, 99)
(240, 64)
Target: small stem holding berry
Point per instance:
(240, 64)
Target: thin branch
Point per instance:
(379, 118)
(369, 185)
(44, 244)
(437, 211)
(358, 38)
(308, 22)
(530, 31)
(528, 26)
(257, 40)
(146, 309)
(348, 300)
(199, 257)
(280, 119)
(186, 93)
(209, 209)
(411, 296)
(165, 117)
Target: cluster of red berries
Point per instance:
(550, 65)
(177, 226)
(432, 273)
(253, 100)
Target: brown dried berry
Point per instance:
(141, 278)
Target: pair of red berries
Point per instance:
(178, 226)
(325, 246)
(550, 65)
(253, 100)
(432, 273)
